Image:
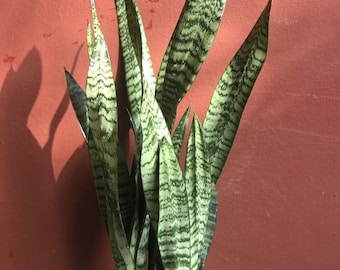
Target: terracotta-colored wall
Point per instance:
(280, 190)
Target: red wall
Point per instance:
(280, 190)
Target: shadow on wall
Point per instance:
(45, 224)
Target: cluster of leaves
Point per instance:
(156, 214)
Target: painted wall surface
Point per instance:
(279, 195)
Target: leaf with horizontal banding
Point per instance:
(127, 194)
(177, 138)
(99, 173)
(188, 47)
(154, 129)
(174, 225)
(102, 104)
(232, 92)
(135, 51)
(126, 186)
(78, 100)
(198, 186)
(141, 257)
(210, 227)
(119, 243)
(112, 217)
(103, 124)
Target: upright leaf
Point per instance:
(177, 139)
(210, 227)
(78, 100)
(188, 47)
(174, 228)
(137, 63)
(103, 139)
(141, 257)
(102, 104)
(153, 130)
(126, 191)
(232, 92)
(198, 185)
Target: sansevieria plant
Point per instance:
(156, 214)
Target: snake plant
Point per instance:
(157, 214)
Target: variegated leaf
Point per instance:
(174, 218)
(119, 243)
(127, 194)
(103, 124)
(141, 256)
(154, 129)
(137, 63)
(177, 139)
(102, 105)
(210, 227)
(99, 173)
(232, 92)
(198, 185)
(188, 47)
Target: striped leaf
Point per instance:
(154, 129)
(198, 185)
(99, 173)
(141, 256)
(188, 47)
(110, 213)
(174, 225)
(135, 51)
(177, 139)
(119, 243)
(78, 100)
(126, 191)
(103, 143)
(102, 104)
(232, 92)
(210, 227)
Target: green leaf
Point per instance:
(119, 243)
(141, 258)
(198, 185)
(135, 51)
(177, 139)
(103, 140)
(102, 104)
(126, 191)
(210, 227)
(78, 99)
(99, 173)
(232, 92)
(174, 228)
(188, 47)
(154, 129)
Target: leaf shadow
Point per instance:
(44, 222)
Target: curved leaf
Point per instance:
(232, 92)
(188, 47)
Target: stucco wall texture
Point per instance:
(279, 194)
